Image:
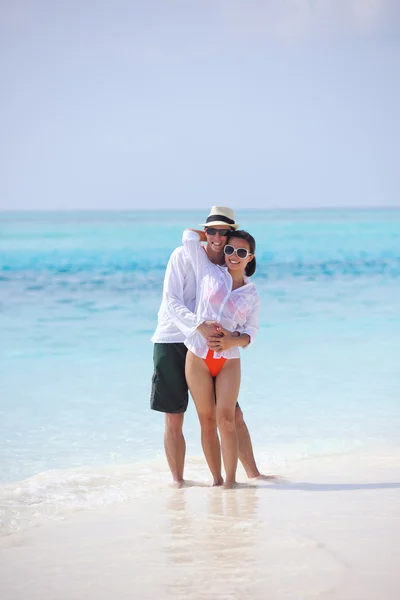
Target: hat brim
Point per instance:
(227, 225)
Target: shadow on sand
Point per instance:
(328, 487)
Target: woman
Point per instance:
(225, 295)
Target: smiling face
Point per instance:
(216, 242)
(234, 263)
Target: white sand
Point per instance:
(331, 531)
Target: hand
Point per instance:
(222, 340)
(209, 328)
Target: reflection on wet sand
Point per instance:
(214, 543)
(325, 539)
(213, 536)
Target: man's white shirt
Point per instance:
(176, 317)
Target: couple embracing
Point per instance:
(209, 310)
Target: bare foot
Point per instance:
(274, 478)
(218, 482)
(235, 485)
(230, 485)
(178, 484)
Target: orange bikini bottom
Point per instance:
(214, 364)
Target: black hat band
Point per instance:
(213, 218)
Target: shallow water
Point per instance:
(79, 295)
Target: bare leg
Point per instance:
(227, 391)
(175, 446)
(246, 454)
(202, 391)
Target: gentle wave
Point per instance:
(53, 494)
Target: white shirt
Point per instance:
(176, 317)
(216, 301)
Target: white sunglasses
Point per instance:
(240, 252)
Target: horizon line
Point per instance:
(175, 210)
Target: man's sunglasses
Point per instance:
(213, 231)
(240, 252)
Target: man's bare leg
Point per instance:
(175, 446)
(246, 454)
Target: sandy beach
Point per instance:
(330, 530)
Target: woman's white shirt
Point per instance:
(216, 301)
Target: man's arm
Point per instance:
(200, 233)
(178, 312)
(225, 339)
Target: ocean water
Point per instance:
(79, 295)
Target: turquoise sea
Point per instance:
(79, 295)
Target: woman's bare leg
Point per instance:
(201, 389)
(227, 391)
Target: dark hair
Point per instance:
(245, 235)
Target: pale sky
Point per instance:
(187, 103)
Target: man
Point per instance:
(176, 319)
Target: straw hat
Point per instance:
(221, 215)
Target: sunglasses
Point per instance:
(240, 252)
(213, 231)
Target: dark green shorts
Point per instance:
(169, 390)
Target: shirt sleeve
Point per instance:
(174, 280)
(195, 252)
(251, 326)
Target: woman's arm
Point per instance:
(250, 328)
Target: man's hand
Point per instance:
(209, 329)
(222, 340)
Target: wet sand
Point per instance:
(330, 530)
